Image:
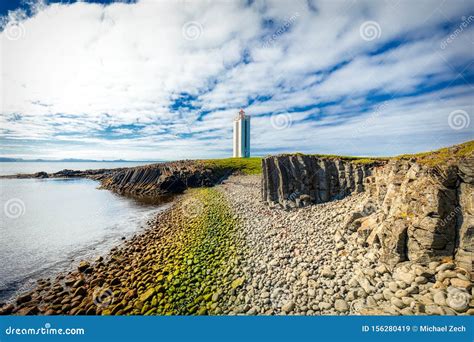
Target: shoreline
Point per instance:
(97, 287)
(222, 251)
(28, 283)
(121, 218)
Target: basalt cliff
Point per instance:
(312, 235)
(164, 178)
(152, 180)
(414, 212)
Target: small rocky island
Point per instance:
(288, 234)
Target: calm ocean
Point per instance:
(48, 225)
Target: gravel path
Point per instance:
(309, 262)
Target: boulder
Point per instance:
(419, 212)
(237, 282)
(41, 174)
(23, 299)
(341, 305)
(327, 272)
(83, 265)
(288, 306)
(147, 294)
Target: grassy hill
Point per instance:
(443, 156)
(248, 166)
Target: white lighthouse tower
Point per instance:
(242, 135)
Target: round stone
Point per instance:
(341, 305)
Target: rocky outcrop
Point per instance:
(465, 215)
(97, 174)
(164, 178)
(414, 212)
(223, 251)
(420, 213)
(299, 180)
(148, 180)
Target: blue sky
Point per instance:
(164, 79)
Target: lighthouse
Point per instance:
(242, 135)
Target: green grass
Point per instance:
(248, 166)
(443, 156)
(355, 160)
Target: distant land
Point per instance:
(5, 159)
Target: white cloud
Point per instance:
(88, 80)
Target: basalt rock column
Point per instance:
(298, 180)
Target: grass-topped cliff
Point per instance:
(222, 250)
(175, 177)
(247, 166)
(443, 156)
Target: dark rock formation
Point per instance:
(148, 180)
(423, 213)
(97, 174)
(299, 180)
(413, 211)
(415, 216)
(465, 215)
(164, 178)
(41, 174)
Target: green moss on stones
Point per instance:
(186, 268)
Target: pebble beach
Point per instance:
(222, 251)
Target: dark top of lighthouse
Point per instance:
(241, 115)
